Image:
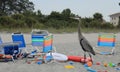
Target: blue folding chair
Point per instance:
(19, 38)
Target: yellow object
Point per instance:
(69, 67)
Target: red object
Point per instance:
(99, 71)
(97, 63)
(8, 56)
(1, 55)
(78, 59)
(74, 58)
(28, 62)
(106, 39)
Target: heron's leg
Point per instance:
(84, 57)
(90, 57)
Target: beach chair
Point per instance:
(48, 43)
(19, 38)
(8, 50)
(106, 41)
(37, 37)
(37, 41)
(48, 47)
(42, 41)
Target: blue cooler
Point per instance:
(9, 48)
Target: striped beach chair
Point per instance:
(37, 41)
(48, 41)
(42, 41)
(37, 37)
(106, 40)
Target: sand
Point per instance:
(67, 44)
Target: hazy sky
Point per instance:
(83, 8)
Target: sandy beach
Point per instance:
(67, 44)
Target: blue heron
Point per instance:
(84, 43)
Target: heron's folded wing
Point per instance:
(86, 45)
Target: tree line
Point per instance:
(21, 14)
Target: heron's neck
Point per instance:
(80, 34)
(79, 31)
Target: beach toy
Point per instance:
(112, 64)
(85, 65)
(39, 62)
(89, 63)
(117, 68)
(97, 63)
(48, 58)
(78, 59)
(99, 71)
(102, 71)
(86, 60)
(105, 64)
(69, 67)
(74, 58)
(89, 69)
(28, 62)
(118, 64)
(71, 62)
(58, 56)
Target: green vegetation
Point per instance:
(19, 15)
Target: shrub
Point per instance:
(7, 21)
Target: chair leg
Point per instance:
(12, 59)
(113, 51)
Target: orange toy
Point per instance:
(105, 64)
(89, 63)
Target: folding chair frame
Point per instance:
(106, 40)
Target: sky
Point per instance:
(83, 8)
